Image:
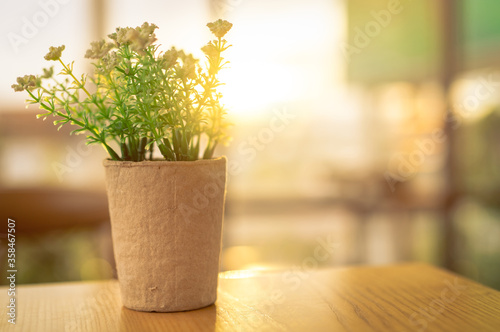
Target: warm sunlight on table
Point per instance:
(408, 297)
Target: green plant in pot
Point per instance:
(166, 214)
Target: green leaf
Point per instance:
(38, 116)
(78, 131)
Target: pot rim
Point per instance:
(155, 163)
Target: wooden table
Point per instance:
(407, 297)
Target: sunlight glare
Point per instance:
(246, 92)
(280, 55)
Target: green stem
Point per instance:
(92, 131)
(74, 78)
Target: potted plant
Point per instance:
(166, 214)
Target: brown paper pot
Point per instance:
(166, 220)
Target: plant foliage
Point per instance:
(138, 98)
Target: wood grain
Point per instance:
(407, 297)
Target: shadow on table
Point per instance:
(195, 320)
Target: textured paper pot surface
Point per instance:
(166, 220)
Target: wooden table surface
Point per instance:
(407, 297)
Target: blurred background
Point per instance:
(368, 127)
